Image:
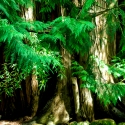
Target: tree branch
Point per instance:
(106, 10)
(93, 15)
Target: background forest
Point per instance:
(62, 60)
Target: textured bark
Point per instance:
(104, 48)
(58, 109)
(86, 100)
(76, 96)
(87, 105)
(101, 50)
(32, 94)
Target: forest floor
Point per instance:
(21, 121)
(5, 122)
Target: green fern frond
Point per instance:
(7, 33)
(16, 51)
(87, 5)
(68, 30)
(4, 10)
(108, 93)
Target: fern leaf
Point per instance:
(85, 8)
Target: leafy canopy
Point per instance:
(35, 45)
(30, 45)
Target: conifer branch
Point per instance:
(93, 15)
(39, 31)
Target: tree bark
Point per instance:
(32, 91)
(104, 47)
(86, 99)
(59, 108)
(76, 96)
(31, 83)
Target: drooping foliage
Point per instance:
(36, 44)
(107, 92)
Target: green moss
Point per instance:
(79, 123)
(73, 123)
(83, 123)
(122, 123)
(103, 122)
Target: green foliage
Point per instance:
(121, 123)
(35, 45)
(117, 68)
(34, 50)
(87, 78)
(68, 30)
(17, 32)
(10, 79)
(23, 48)
(107, 92)
(72, 33)
(79, 123)
(103, 122)
(87, 5)
(110, 92)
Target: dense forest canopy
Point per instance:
(33, 46)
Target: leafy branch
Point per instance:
(107, 92)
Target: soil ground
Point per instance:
(5, 122)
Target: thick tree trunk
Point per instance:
(104, 47)
(59, 108)
(101, 50)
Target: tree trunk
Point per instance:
(104, 48)
(32, 91)
(101, 50)
(76, 95)
(59, 108)
(24, 102)
(86, 99)
(86, 110)
(32, 95)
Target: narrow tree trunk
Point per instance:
(32, 95)
(32, 92)
(76, 96)
(86, 101)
